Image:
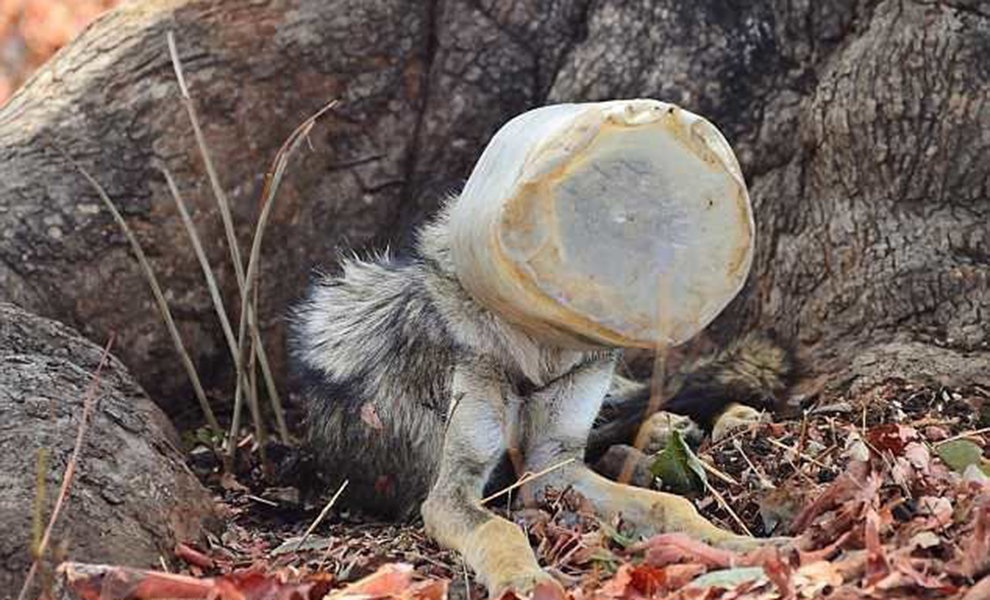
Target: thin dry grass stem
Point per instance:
(725, 506)
(259, 426)
(976, 433)
(156, 290)
(804, 456)
(273, 179)
(269, 379)
(40, 494)
(717, 473)
(204, 262)
(89, 401)
(221, 312)
(323, 514)
(764, 480)
(233, 246)
(658, 386)
(235, 419)
(526, 479)
(467, 580)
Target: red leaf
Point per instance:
(891, 437)
(670, 548)
(105, 582)
(618, 585)
(388, 580)
(193, 556)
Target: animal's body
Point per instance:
(416, 394)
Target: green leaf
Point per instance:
(313, 542)
(729, 578)
(615, 535)
(678, 467)
(959, 454)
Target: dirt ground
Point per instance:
(876, 490)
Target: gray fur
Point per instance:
(387, 333)
(416, 394)
(381, 341)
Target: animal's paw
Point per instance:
(658, 428)
(537, 585)
(626, 464)
(737, 416)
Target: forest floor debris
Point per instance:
(887, 495)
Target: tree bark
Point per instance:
(860, 125)
(131, 499)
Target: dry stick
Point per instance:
(156, 290)
(323, 513)
(526, 479)
(725, 505)
(235, 255)
(89, 402)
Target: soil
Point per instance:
(858, 480)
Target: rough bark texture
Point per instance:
(861, 126)
(132, 497)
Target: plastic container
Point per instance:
(623, 223)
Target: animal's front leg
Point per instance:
(558, 420)
(495, 548)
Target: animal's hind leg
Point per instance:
(558, 420)
(495, 548)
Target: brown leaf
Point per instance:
(980, 591)
(857, 487)
(107, 582)
(938, 509)
(904, 573)
(618, 585)
(812, 580)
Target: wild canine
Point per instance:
(417, 392)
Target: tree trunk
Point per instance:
(860, 126)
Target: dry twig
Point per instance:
(323, 513)
(526, 478)
(89, 402)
